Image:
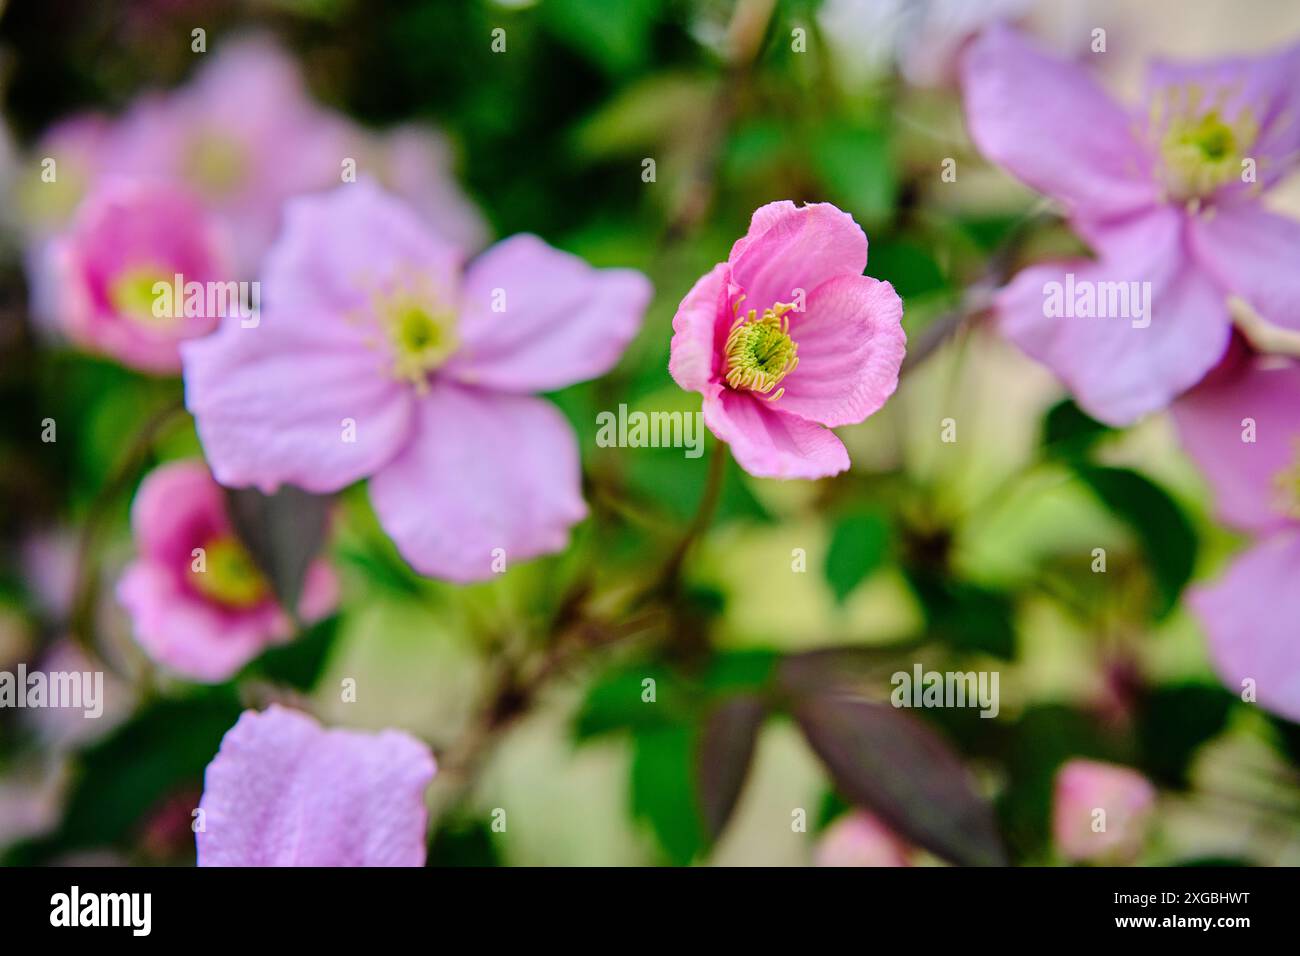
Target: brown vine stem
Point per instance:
(517, 687)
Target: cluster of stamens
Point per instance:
(1200, 149)
(230, 576)
(759, 351)
(419, 332)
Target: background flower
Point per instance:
(198, 602)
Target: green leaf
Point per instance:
(301, 662)
(1069, 432)
(663, 793)
(615, 702)
(1174, 722)
(725, 752)
(966, 615)
(283, 533)
(615, 36)
(858, 546)
(900, 769)
(1164, 531)
(463, 843)
(854, 164)
(164, 747)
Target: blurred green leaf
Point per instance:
(301, 662)
(647, 114)
(1164, 531)
(965, 615)
(663, 791)
(615, 36)
(160, 749)
(858, 546)
(900, 769)
(908, 266)
(725, 752)
(1069, 432)
(855, 165)
(463, 843)
(615, 702)
(1173, 722)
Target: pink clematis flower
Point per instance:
(787, 339)
(859, 839)
(126, 238)
(283, 791)
(1243, 431)
(1167, 195)
(1101, 812)
(245, 135)
(376, 358)
(203, 613)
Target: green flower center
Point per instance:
(1199, 149)
(132, 294)
(214, 163)
(421, 336)
(230, 576)
(759, 351)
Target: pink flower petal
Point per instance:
(791, 247)
(851, 344)
(1250, 616)
(561, 321)
(1264, 86)
(485, 471)
(177, 505)
(1087, 788)
(1253, 253)
(695, 348)
(178, 508)
(128, 231)
(190, 636)
(1245, 475)
(769, 443)
(277, 403)
(1118, 372)
(859, 839)
(1049, 124)
(283, 791)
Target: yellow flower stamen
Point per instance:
(759, 352)
(229, 575)
(1200, 149)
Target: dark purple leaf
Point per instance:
(900, 769)
(283, 533)
(725, 751)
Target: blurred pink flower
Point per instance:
(787, 339)
(1243, 432)
(376, 358)
(283, 791)
(1163, 196)
(243, 135)
(203, 614)
(1100, 811)
(859, 839)
(126, 237)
